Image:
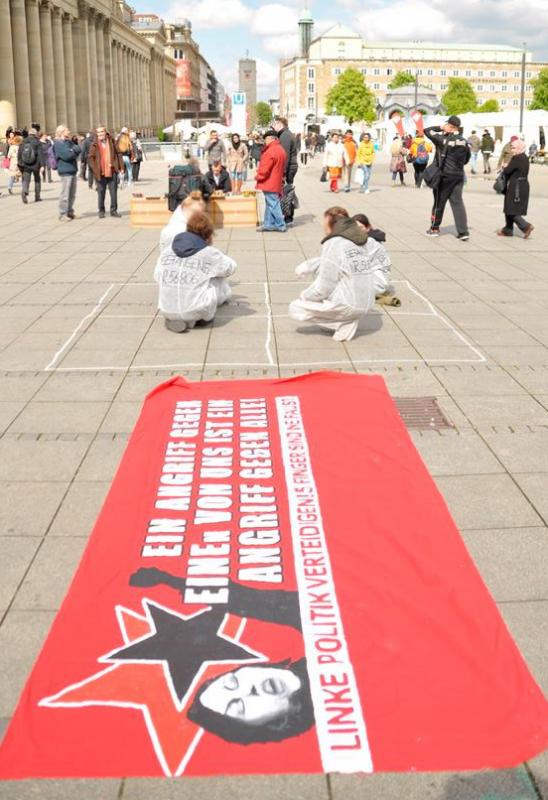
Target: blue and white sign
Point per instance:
(239, 113)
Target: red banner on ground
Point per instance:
(274, 584)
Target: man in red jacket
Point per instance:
(270, 177)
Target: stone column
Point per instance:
(35, 63)
(101, 77)
(8, 112)
(117, 84)
(48, 67)
(20, 61)
(81, 69)
(59, 67)
(107, 48)
(127, 89)
(72, 75)
(93, 72)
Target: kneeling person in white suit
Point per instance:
(192, 276)
(343, 290)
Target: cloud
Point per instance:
(225, 14)
(285, 46)
(405, 21)
(274, 19)
(268, 76)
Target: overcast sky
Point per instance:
(225, 29)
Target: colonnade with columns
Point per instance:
(80, 69)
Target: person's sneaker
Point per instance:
(24, 198)
(367, 191)
(101, 214)
(289, 224)
(115, 214)
(64, 218)
(37, 199)
(528, 231)
(463, 237)
(433, 232)
(71, 215)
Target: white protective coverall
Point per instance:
(343, 289)
(176, 224)
(380, 264)
(192, 286)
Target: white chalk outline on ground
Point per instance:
(269, 316)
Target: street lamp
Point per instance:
(522, 97)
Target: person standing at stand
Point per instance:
(452, 153)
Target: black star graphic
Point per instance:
(184, 645)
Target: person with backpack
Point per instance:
(106, 164)
(30, 160)
(49, 162)
(184, 180)
(487, 150)
(452, 153)
(125, 148)
(66, 154)
(420, 154)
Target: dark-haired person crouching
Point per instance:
(192, 276)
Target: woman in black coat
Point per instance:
(516, 195)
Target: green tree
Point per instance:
(401, 79)
(263, 113)
(490, 105)
(460, 97)
(540, 90)
(351, 98)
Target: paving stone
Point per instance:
(539, 770)
(60, 417)
(524, 452)
(80, 509)
(503, 410)
(60, 790)
(528, 626)
(475, 380)
(75, 387)
(35, 460)
(20, 387)
(17, 553)
(535, 486)
(486, 501)
(455, 453)
(101, 462)
(512, 784)
(21, 636)
(271, 787)
(50, 574)
(121, 417)
(511, 561)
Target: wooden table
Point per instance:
(231, 211)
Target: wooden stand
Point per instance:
(235, 211)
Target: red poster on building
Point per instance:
(183, 81)
(274, 584)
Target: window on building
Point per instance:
(456, 73)
(492, 73)
(516, 88)
(479, 87)
(409, 71)
(311, 102)
(443, 73)
(468, 73)
(376, 86)
(430, 72)
(389, 71)
(504, 74)
(443, 86)
(363, 70)
(480, 73)
(504, 88)
(515, 101)
(311, 72)
(376, 71)
(337, 71)
(492, 88)
(503, 101)
(311, 88)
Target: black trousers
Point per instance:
(135, 169)
(289, 178)
(419, 172)
(515, 219)
(25, 182)
(112, 185)
(450, 188)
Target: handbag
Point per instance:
(5, 163)
(500, 183)
(323, 176)
(432, 175)
(410, 158)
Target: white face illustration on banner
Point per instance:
(252, 694)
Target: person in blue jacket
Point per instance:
(66, 154)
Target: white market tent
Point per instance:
(501, 124)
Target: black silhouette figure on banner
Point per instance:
(254, 703)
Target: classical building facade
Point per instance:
(82, 63)
(493, 70)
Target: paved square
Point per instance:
(81, 343)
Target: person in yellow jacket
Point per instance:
(420, 153)
(364, 159)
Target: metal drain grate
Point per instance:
(422, 413)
